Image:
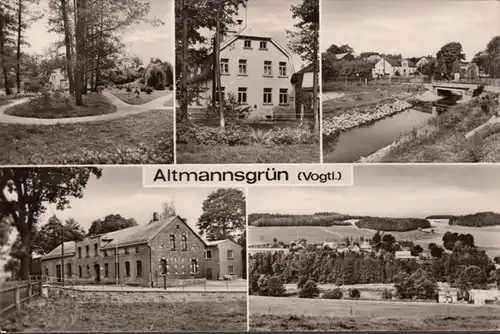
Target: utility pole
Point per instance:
(62, 253)
(217, 64)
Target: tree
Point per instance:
(32, 190)
(310, 290)
(471, 277)
(7, 28)
(305, 42)
(334, 49)
(55, 232)
(111, 223)
(449, 54)
(493, 52)
(223, 214)
(377, 238)
(168, 210)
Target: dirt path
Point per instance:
(123, 110)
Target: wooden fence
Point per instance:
(13, 294)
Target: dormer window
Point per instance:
(263, 45)
(247, 44)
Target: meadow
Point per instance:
(274, 313)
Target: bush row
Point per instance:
(241, 135)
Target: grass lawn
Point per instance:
(132, 312)
(6, 100)
(273, 313)
(145, 138)
(442, 139)
(131, 98)
(196, 154)
(93, 105)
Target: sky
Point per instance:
(391, 191)
(142, 40)
(413, 28)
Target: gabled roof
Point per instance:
(218, 242)
(341, 55)
(69, 250)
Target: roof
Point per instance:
(341, 55)
(69, 250)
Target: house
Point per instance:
(252, 251)
(382, 68)
(448, 295)
(223, 259)
(365, 247)
(58, 80)
(161, 253)
(403, 67)
(373, 59)
(331, 245)
(354, 248)
(253, 67)
(303, 83)
(345, 56)
(481, 297)
(421, 62)
(403, 255)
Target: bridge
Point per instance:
(465, 89)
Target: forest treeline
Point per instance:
(479, 219)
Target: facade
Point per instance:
(58, 80)
(404, 67)
(482, 297)
(223, 260)
(382, 68)
(253, 67)
(157, 254)
(391, 67)
(448, 296)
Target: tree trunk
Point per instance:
(67, 42)
(315, 91)
(184, 71)
(18, 54)
(99, 47)
(80, 51)
(5, 70)
(26, 258)
(217, 69)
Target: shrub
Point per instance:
(129, 89)
(387, 294)
(478, 90)
(160, 87)
(302, 280)
(354, 293)
(310, 290)
(333, 294)
(275, 287)
(149, 90)
(290, 136)
(143, 89)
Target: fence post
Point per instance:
(227, 285)
(301, 113)
(18, 298)
(30, 291)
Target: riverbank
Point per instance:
(362, 116)
(443, 139)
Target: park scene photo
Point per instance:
(86, 82)
(416, 81)
(406, 248)
(143, 259)
(247, 75)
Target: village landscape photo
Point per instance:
(86, 82)
(89, 249)
(408, 247)
(247, 75)
(410, 81)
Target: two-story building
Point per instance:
(157, 254)
(58, 80)
(253, 67)
(393, 67)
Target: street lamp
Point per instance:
(116, 258)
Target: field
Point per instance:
(113, 312)
(485, 237)
(273, 313)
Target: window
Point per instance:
(263, 45)
(268, 68)
(268, 95)
(80, 271)
(106, 270)
(80, 252)
(105, 253)
(223, 89)
(242, 95)
(242, 66)
(137, 249)
(46, 271)
(230, 255)
(172, 242)
(126, 250)
(208, 255)
(248, 44)
(194, 266)
(283, 96)
(230, 270)
(184, 243)
(127, 268)
(163, 267)
(224, 66)
(69, 273)
(282, 69)
(96, 250)
(87, 251)
(138, 268)
(88, 271)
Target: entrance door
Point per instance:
(58, 273)
(97, 270)
(209, 273)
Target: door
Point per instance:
(209, 273)
(97, 270)
(58, 273)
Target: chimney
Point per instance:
(239, 22)
(155, 216)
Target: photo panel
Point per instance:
(87, 82)
(408, 247)
(247, 81)
(102, 244)
(411, 82)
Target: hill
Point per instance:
(479, 219)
